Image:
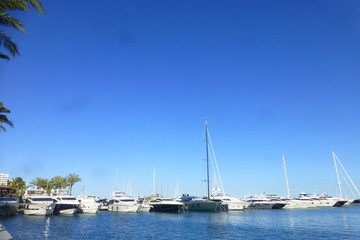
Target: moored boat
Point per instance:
(88, 204)
(160, 204)
(38, 202)
(9, 204)
(123, 203)
(4, 234)
(65, 203)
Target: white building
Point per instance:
(4, 178)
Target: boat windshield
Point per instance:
(42, 199)
(68, 198)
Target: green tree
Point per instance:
(19, 184)
(71, 179)
(3, 117)
(6, 20)
(58, 182)
(40, 183)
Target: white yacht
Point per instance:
(332, 201)
(233, 203)
(65, 203)
(9, 204)
(193, 203)
(88, 204)
(305, 200)
(38, 202)
(123, 203)
(144, 204)
(262, 202)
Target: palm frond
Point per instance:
(8, 44)
(10, 21)
(4, 119)
(3, 56)
(3, 109)
(37, 5)
(2, 128)
(14, 5)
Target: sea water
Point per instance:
(325, 223)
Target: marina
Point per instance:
(317, 223)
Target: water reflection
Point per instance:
(47, 228)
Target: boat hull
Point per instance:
(65, 209)
(202, 206)
(261, 205)
(124, 208)
(88, 210)
(8, 209)
(4, 235)
(39, 209)
(171, 208)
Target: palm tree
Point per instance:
(71, 179)
(8, 21)
(18, 184)
(58, 182)
(3, 117)
(40, 183)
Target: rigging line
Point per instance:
(337, 175)
(216, 165)
(347, 183)
(348, 175)
(286, 177)
(215, 181)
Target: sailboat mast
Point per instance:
(337, 174)
(154, 191)
(286, 177)
(207, 158)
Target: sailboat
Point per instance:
(309, 201)
(208, 203)
(356, 197)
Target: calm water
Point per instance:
(329, 223)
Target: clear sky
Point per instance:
(126, 85)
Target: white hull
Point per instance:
(237, 206)
(144, 208)
(233, 203)
(124, 208)
(88, 205)
(4, 235)
(70, 211)
(299, 204)
(88, 210)
(39, 209)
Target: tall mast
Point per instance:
(286, 177)
(154, 191)
(207, 158)
(337, 174)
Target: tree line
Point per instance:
(54, 183)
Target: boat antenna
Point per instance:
(207, 158)
(286, 177)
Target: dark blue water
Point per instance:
(328, 223)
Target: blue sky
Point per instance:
(127, 84)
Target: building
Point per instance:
(4, 179)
